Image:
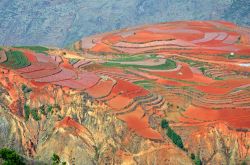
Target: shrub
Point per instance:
(57, 106)
(73, 61)
(244, 163)
(55, 159)
(10, 157)
(45, 109)
(231, 56)
(26, 89)
(192, 156)
(35, 114)
(49, 108)
(42, 110)
(197, 160)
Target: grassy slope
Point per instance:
(37, 49)
(16, 60)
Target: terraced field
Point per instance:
(198, 71)
(209, 57)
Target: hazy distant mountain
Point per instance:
(60, 22)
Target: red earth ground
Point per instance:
(214, 64)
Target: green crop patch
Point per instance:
(169, 64)
(15, 60)
(146, 84)
(130, 58)
(37, 49)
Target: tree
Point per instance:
(197, 160)
(10, 157)
(202, 69)
(55, 159)
(176, 139)
(192, 156)
(26, 112)
(164, 123)
(244, 163)
(26, 89)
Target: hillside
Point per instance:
(59, 23)
(168, 93)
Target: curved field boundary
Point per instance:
(146, 62)
(84, 81)
(184, 73)
(119, 89)
(135, 94)
(223, 48)
(138, 101)
(221, 36)
(118, 75)
(178, 68)
(155, 103)
(154, 44)
(57, 59)
(73, 84)
(236, 118)
(173, 31)
(41, 73)
(169, 64)
(30, 55)
(114, 94)
(102, 89)
(119, 102)
(121, 77)
(148, 49)
(43, 58)
(207, 37)
(120, 98)
(231, 39)
(81, 63)
(36, 66)
(64, 74)
(140, 124)
(215, 101)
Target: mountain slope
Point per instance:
(59, 23)
(168, 93)
(238, 11)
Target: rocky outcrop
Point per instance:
(79, 130)
(217, 144)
